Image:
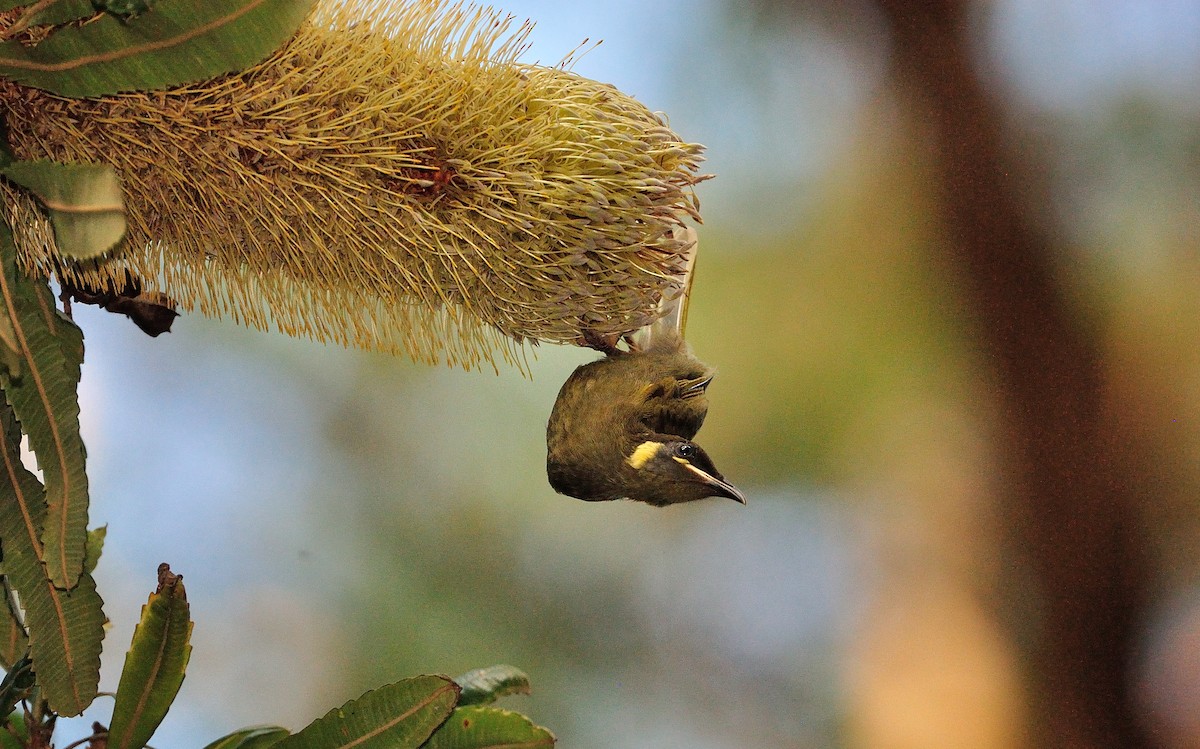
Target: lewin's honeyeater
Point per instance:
(622, 426)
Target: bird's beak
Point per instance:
(720, 487)
(696, 388)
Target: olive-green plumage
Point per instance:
(622, 427)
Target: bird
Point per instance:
(623, 426)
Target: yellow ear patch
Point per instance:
(643, 453)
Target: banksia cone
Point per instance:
(391, 178)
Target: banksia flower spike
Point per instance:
(391, 178)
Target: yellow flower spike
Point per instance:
(393, 179)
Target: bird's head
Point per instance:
(670, 470)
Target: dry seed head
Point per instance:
(392, 178)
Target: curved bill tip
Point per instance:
(718, 487)
(734, 493)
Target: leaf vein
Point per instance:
(75, 208)
(68, 651)
(36, 374)
(122, 53)
(152, 680)
(400, 718)
(22, 500)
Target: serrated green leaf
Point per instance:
(10, 349)
(260, 737)
(10, 352)
(65, 627)
(8, 741)
(14, 642)
(15, 734)
(95, 545)
(45, 401)
(486, 685)
(64, 11)
(84, 201)
(397, 716)
(154, 665)
(171, 44)
(488, 728)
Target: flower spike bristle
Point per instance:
(391, 178)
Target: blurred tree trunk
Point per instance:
(1071, 505)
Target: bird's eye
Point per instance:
(685, 450)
